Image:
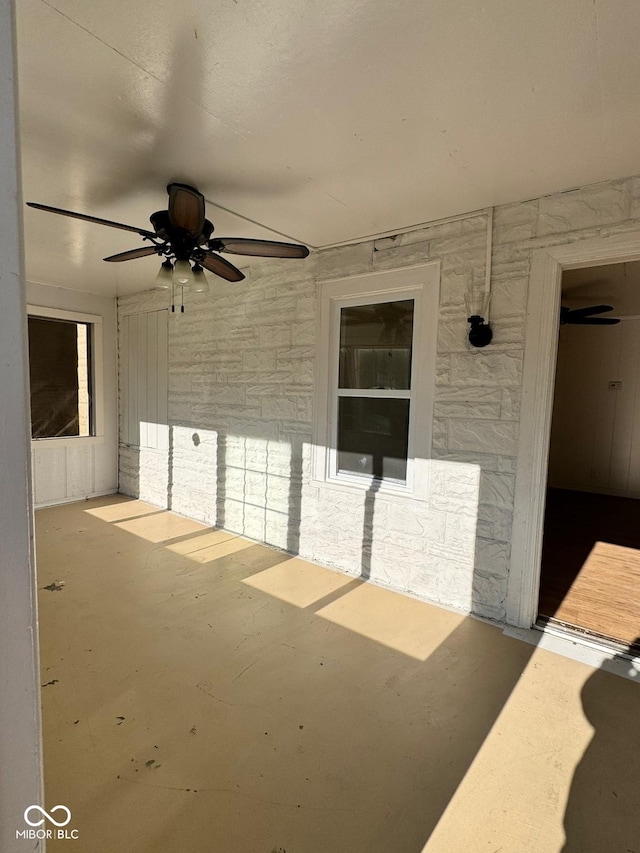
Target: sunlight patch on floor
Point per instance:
(394, 621)
(158, 528)
(298, 582)
(122, 510)
(208, 544)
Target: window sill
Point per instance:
(364, 485)
(67, 441)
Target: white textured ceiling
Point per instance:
(324, 122)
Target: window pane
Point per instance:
(59, 367)
(373, 437)
(375, 345)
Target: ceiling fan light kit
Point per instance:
(200, 283)
(164, 279)
(182, 273)
(182, 234)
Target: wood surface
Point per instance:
(591, 564)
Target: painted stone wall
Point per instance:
(242, 363)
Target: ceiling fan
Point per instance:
(182, 235)
(585, 316)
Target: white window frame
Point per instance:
(422, 284)
(97, 380)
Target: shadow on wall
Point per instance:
(368, 529)
(474, 541)
(453, 550)
(221, 478)
(294, 510)
(492, 555)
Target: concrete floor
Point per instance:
(204, 693)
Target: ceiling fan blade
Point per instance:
(133, 253)
(590, 309)
(186, 208)
(95, 219)
(258, 248)
(592, 321)
(220, 266)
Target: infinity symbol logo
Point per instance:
(47, 815)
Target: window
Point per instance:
(377, 364)
(374, 389)
(63, 370)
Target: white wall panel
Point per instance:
(50, 474)
(130, 402)
(634, 451)
(141, 365)
(627, 425)
(104, 481)
(80, 471)
(163, 374)
(595, 439)
(144, 379)
(151, 415)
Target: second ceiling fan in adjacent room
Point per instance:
(587, 316)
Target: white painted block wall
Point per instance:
(241, 392)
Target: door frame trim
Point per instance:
(538, 385)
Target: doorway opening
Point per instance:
(590, 573)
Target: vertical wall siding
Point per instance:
(143, 400)
(241, 395)
(144, 338)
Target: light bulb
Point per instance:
(183, 274)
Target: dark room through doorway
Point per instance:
(590, 580)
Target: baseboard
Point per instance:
(595, 490)
(74, 500)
